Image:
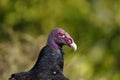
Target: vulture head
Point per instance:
(59, 37)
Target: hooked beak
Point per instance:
(74, 46)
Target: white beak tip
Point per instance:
(74, 46)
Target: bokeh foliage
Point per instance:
(94, 25)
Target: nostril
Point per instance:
(69, 41)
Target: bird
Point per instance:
(50, 62)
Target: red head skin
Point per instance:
(58, 38)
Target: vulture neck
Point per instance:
(52, 44)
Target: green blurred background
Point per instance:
(93, 24)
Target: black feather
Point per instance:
(49, 66)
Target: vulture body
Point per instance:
(49, 65)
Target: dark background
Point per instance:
(93, 24)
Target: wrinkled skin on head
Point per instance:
(59, 37)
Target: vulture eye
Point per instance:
(61, 36)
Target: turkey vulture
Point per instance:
(49, 65)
